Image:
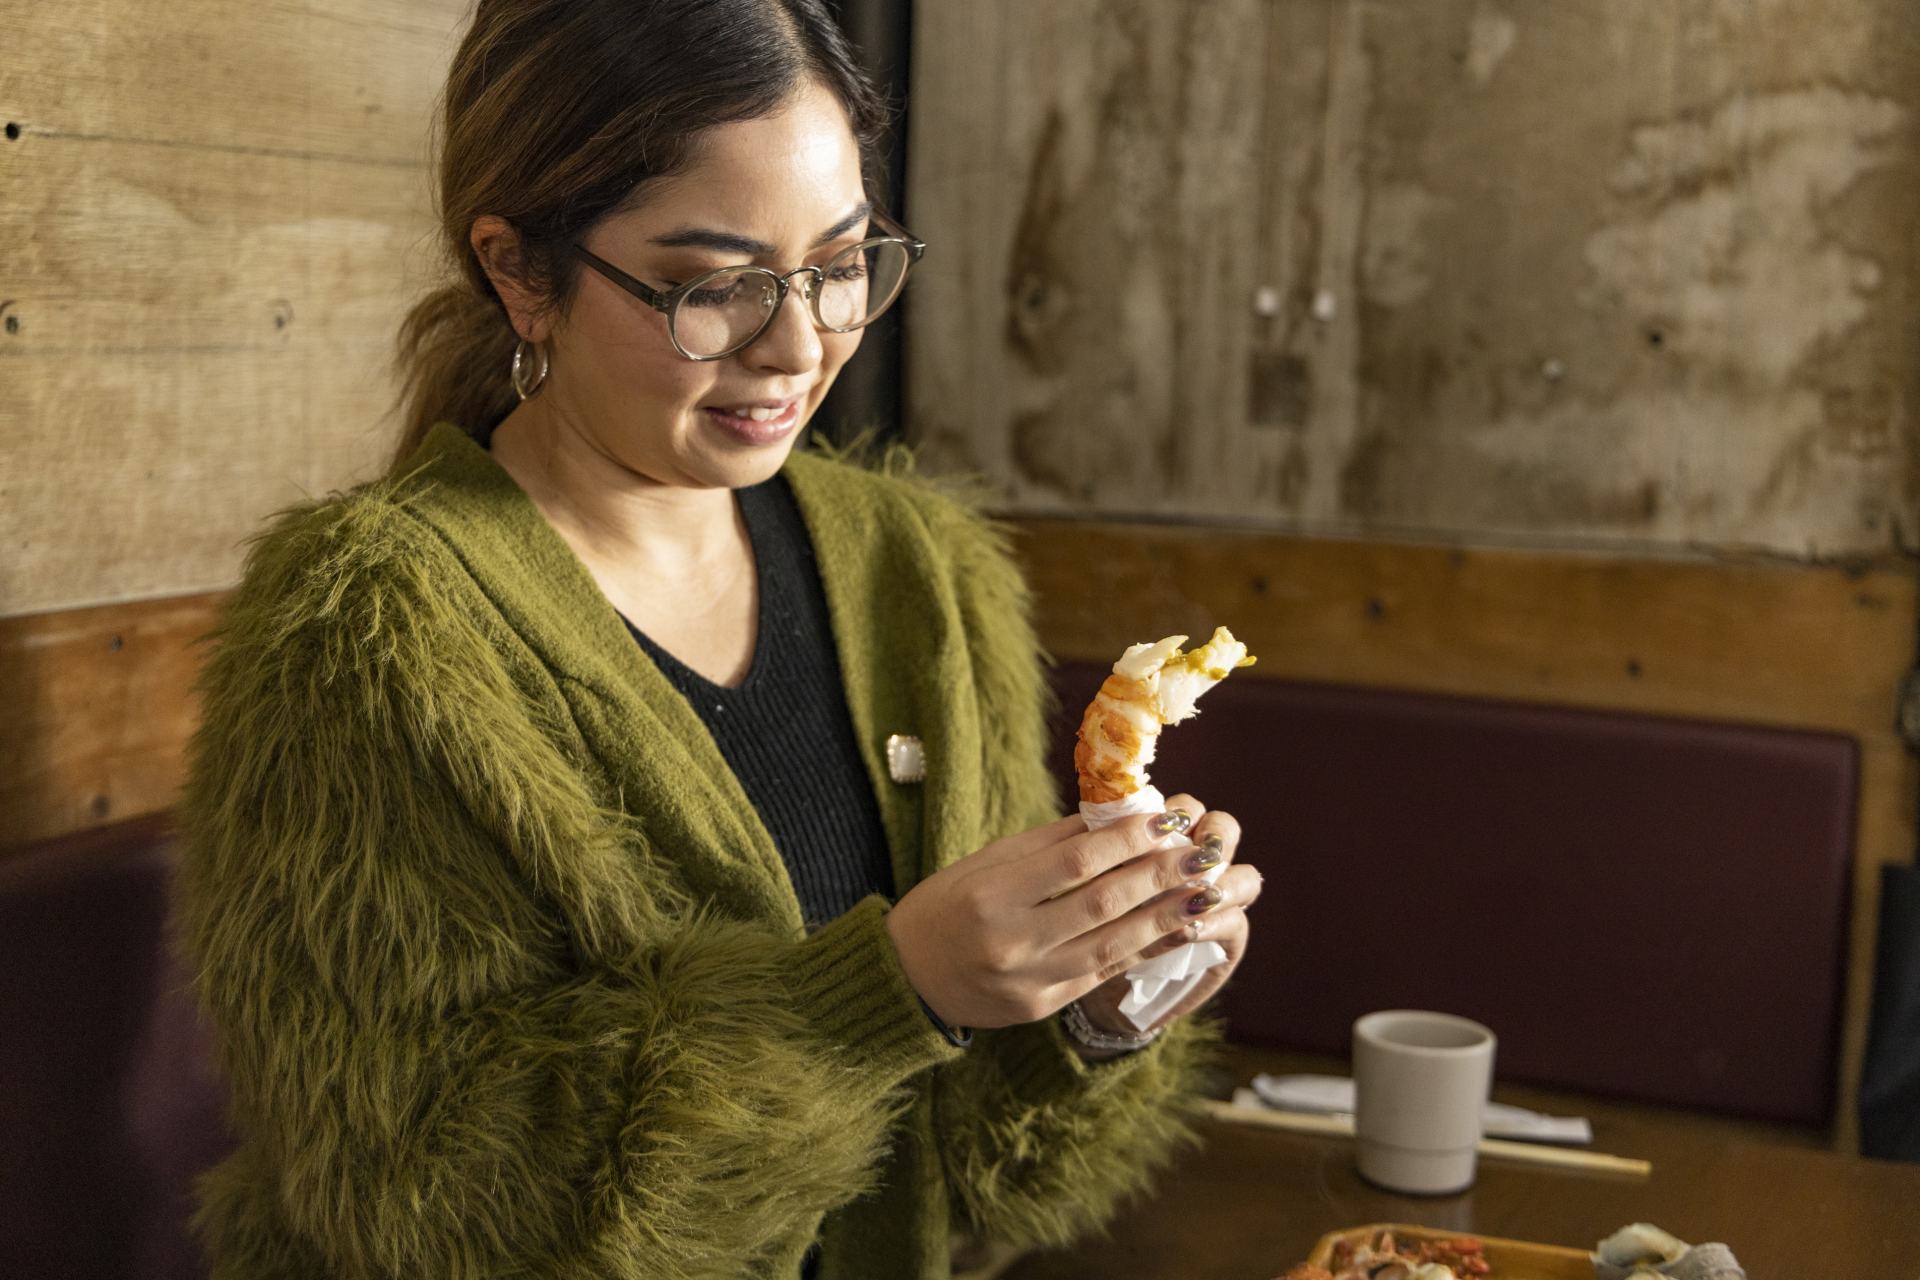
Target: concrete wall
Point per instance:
(1637, 273)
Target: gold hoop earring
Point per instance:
(527, 381)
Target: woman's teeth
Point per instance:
(758, 414)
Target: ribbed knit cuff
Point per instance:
(848, 983)
(1041, 1063)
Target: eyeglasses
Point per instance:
(726, 310)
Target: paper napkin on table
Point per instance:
(1333, 1095)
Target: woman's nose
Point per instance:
(790, 344)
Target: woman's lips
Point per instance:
(752, 430)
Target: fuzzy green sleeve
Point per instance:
(429, 1077)
(1040, 1146)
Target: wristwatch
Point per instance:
(1074, 1021)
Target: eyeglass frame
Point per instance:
(664, 301)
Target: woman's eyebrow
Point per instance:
(729, 242)
(860, 214)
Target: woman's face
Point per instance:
(779, 192)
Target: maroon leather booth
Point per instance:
(1642, 907)
(109, 1102)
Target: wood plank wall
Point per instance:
(212, 213)
(1553, 352)
(99, 705)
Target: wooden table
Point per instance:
(1252, 1202)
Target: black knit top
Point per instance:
(785, 730)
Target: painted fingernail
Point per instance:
(1205, 858)
(1213, 841)
(1173, 820)
(1204, 901)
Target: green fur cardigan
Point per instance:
(508, 976)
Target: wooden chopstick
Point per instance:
(1492, 1148)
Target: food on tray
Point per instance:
(1642, 1251)
(1639, 1246)
(1385, 1257)
(1401, 1252)
(1153, 685)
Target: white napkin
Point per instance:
(1334, 1096)
(1163, 982)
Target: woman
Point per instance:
(558, 902)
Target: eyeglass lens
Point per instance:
(729, 310)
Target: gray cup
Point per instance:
(1421, 1082)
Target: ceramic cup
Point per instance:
(1421, 1082)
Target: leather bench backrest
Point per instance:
(1642, 907)
(109, 1100)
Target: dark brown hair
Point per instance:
(558, 113)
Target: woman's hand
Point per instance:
(1225, 924)
(1014, 932)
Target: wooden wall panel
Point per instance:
(1631, 273)
(214, 215)
(99, 707)
(352, 79)
(1757, 642)
(188, 345)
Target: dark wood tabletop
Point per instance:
(1251, 1203)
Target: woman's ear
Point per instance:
(497, 245)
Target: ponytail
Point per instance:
(455, 355)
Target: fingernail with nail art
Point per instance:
(1205, 858)
(1172, 821)
(1204, 901)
